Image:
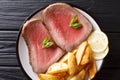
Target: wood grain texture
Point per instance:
(14, 12)
(11, 73)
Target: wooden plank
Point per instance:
(19, 9)
(8, 59)
(8, 35)
(15, 12)
(12, 73)
(106, 13)
(7, 46)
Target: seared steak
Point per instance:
(57, 20)
(34, 32)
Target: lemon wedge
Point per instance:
(98, 41)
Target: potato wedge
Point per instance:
(80, 75)
(57, 68)
(62, 74)
(65, 57)
(72, 66)
(86, 56)
(80, 52)
(81, 67)
(69, 77)
(48, 77)
(92, 68)
(74, 51)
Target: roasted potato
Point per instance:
(86, 56)
(80, 52)
(62, 74)
(80, 75)
(48, 77)
(72, 66)
(65, 57)
(92, 68)
(57, 68)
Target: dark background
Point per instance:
(14, 12)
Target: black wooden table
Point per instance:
(14, 12)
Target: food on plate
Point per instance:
(65, 57)
(98, 42)
(101, 55)
(38, 15)
(99, 39)
(80, 52)
(72, 66)
(48, 77)
(57, 18)
(92, 68)
(80, 76)
(72, 71)
(34, 33)
(86, 56)
(57, 68)
(62, 44)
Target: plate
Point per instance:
(23, 50)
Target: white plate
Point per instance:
(23, 50)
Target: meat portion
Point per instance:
(38, 15)
(34, 32)
(57, 19)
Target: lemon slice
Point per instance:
(98, 41)
(101, 55)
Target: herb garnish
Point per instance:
(46, 43)
(74, 23)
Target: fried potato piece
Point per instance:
(92, 68)
(81, 67)
(65, 57)
(72, 66)
(68, 77)
(80, 76)
(62, 74)
(80, 52)
(86, 56)
(48, 77)
(74, 51)
(57, 68)
(75, 65)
